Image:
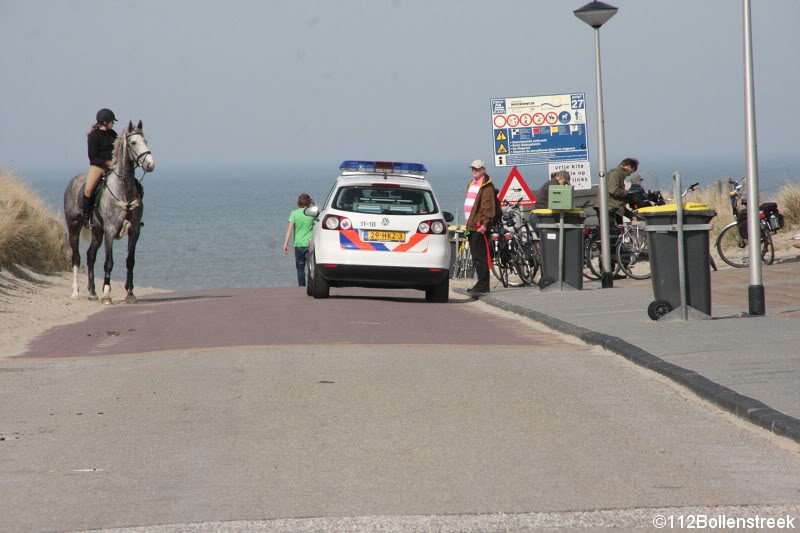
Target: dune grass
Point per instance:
(31, 234)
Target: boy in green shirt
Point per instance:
(301, 225)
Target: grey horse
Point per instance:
(118, 211)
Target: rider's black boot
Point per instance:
(88, 204)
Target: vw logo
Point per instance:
(385, 221)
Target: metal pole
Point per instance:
(676, 180)
(607, 278)
(561, 252)
(755, 292)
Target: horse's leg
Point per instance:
(129, 263)
(74, 244)
(107, 267)
(91, 256)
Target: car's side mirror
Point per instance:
(311, 211)
(448, 217)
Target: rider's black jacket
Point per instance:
(101, 146)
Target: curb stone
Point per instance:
(742, 406)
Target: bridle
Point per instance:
(137, 161)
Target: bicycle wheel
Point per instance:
(501, 273)
(633, 254)
(595, 259)
(536, 263)
(532, 252)
(500, 267)
(521, 273)
(587, 269)
(733, 249)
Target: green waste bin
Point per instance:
(547, 224)
(662, 239)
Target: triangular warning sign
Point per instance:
(501, 136)
(501, 149)
(515, 189)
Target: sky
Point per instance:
(309, 83)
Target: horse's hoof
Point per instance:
(106, 300)
(93, 297)
(131, 299)
(74, 296)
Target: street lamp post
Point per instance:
(755, 292)
(595, 14)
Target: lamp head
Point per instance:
(595, 14)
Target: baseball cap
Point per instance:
(477, 164)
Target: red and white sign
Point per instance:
(515, 189)
(499, 121)
(552, 118)
(513, 121)
(538, 119)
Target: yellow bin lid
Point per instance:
(672, 208)
(557, 211)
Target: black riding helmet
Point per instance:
(106, 115)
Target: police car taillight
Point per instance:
(436, 227)
(333, 222)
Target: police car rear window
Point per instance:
(384, 200)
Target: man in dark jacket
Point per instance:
(479, 212)
(617, 195)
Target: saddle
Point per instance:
(94, 194)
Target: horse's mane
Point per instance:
(119, 145)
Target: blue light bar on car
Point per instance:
(383, 167)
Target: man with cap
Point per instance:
(479, 212)
(636, 193)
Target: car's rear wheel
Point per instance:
(319, 287)
(439, 293)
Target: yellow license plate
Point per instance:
(391, 236)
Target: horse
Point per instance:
(118, 211)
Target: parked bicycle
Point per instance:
(732, 240)
(528, 238)
(515, 256)
(463, 267)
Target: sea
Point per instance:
(224, 228)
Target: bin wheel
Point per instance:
(658, 309)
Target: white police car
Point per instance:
(381, 227)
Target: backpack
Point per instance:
(498, 207)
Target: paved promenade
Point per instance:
(372, 410)
(758, 358)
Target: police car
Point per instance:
(381, 227)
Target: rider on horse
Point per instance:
(100, 142)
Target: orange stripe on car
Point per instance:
(416, 238)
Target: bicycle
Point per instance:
(528, 241)
(508, 259)
(463, 267)
(732, 240)
(593, 250)
(633, 252)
